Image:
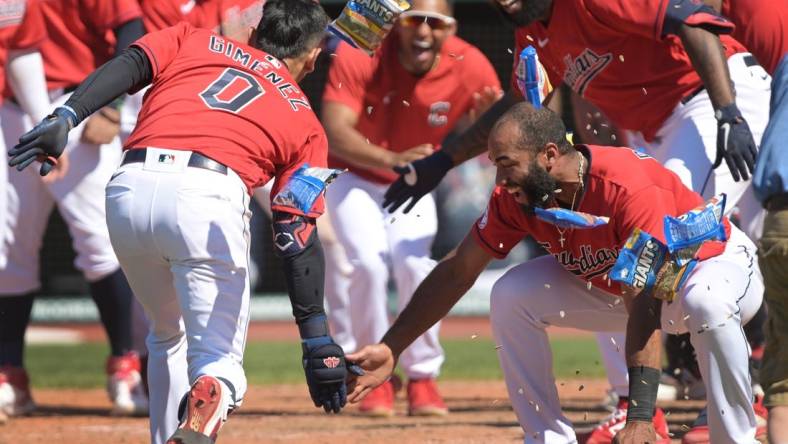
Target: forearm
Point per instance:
(351, 146)
(128, 72)
(298, 245)
(708, 58)
(643, 343)
(474, 140)
(433, 299)
(28, 83)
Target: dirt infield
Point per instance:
(481, 413)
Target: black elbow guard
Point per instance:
(292, 233)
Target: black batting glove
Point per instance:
(45, 142)
(735, 143)
(417, 179)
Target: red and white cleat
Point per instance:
(207, 407)
(424, 398)
(15, 397)
(125, 387)
(604, 432)
(379, 403)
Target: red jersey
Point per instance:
(630, 188)
(762, 26)
(397, 110)
(160, 14)
(228, 101)
(622, 55)
(21, 27)
(78, 41)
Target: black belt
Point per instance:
(196, 160)
(777, 202)
(749, 60)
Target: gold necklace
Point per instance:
(561, 232)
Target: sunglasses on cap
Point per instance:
(435, 20)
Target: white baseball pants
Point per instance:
(687, 145)
(720, 296)
(374, 241)
(182, 238)
(78, 195)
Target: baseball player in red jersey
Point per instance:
(21, 67)
(177, 208)
(570, 287)
(380, 113)
(78, 31)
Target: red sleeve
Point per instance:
(315, 153)
(645, 209)
(109, 14)
(495, 231)
(161, 47)
(656, 18)
(160, 14)
(351, 70)
(32, 31)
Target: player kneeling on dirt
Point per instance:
(540, 176)
(224, 117)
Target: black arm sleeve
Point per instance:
(296, 242)
(128, 33)
(128, 72)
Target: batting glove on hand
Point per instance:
(45, 142)
(735, 143)
(417, 179)
(324, 365)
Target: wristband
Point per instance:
(67, 112)
(643, 385)
(313, 327)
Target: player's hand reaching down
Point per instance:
(417, 179)
(735, 143)
(636, 432)
(326, 372)
(377, 362)
(45, 142)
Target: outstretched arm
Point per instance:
(433, 299)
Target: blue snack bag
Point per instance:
(532, 79)
(304, 187)
(696, 226)
(639, 262)
(565, 218)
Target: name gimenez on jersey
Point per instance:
(266, 68)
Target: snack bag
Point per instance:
(304, 187)
(639, 262)
(365, 23)
(564, 218)
(687, 233)
(532, 79)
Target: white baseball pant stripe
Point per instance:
(182, 238)
(375, 240)
(720, 296)
(79, 197)
(687, 145)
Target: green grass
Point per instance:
(82, 366)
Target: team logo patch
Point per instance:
(167, 159)
(581, 70)
(331, 362)
(438, 114)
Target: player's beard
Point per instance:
(530, 11)
(539, 187)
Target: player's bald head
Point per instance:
(290, 28)
(440, 6)
(530, 128)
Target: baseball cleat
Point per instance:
(206, 408)
(604, 432)
(125, 387)
(379, 403)
(15, 398)
(424, 398)
(699, 433)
